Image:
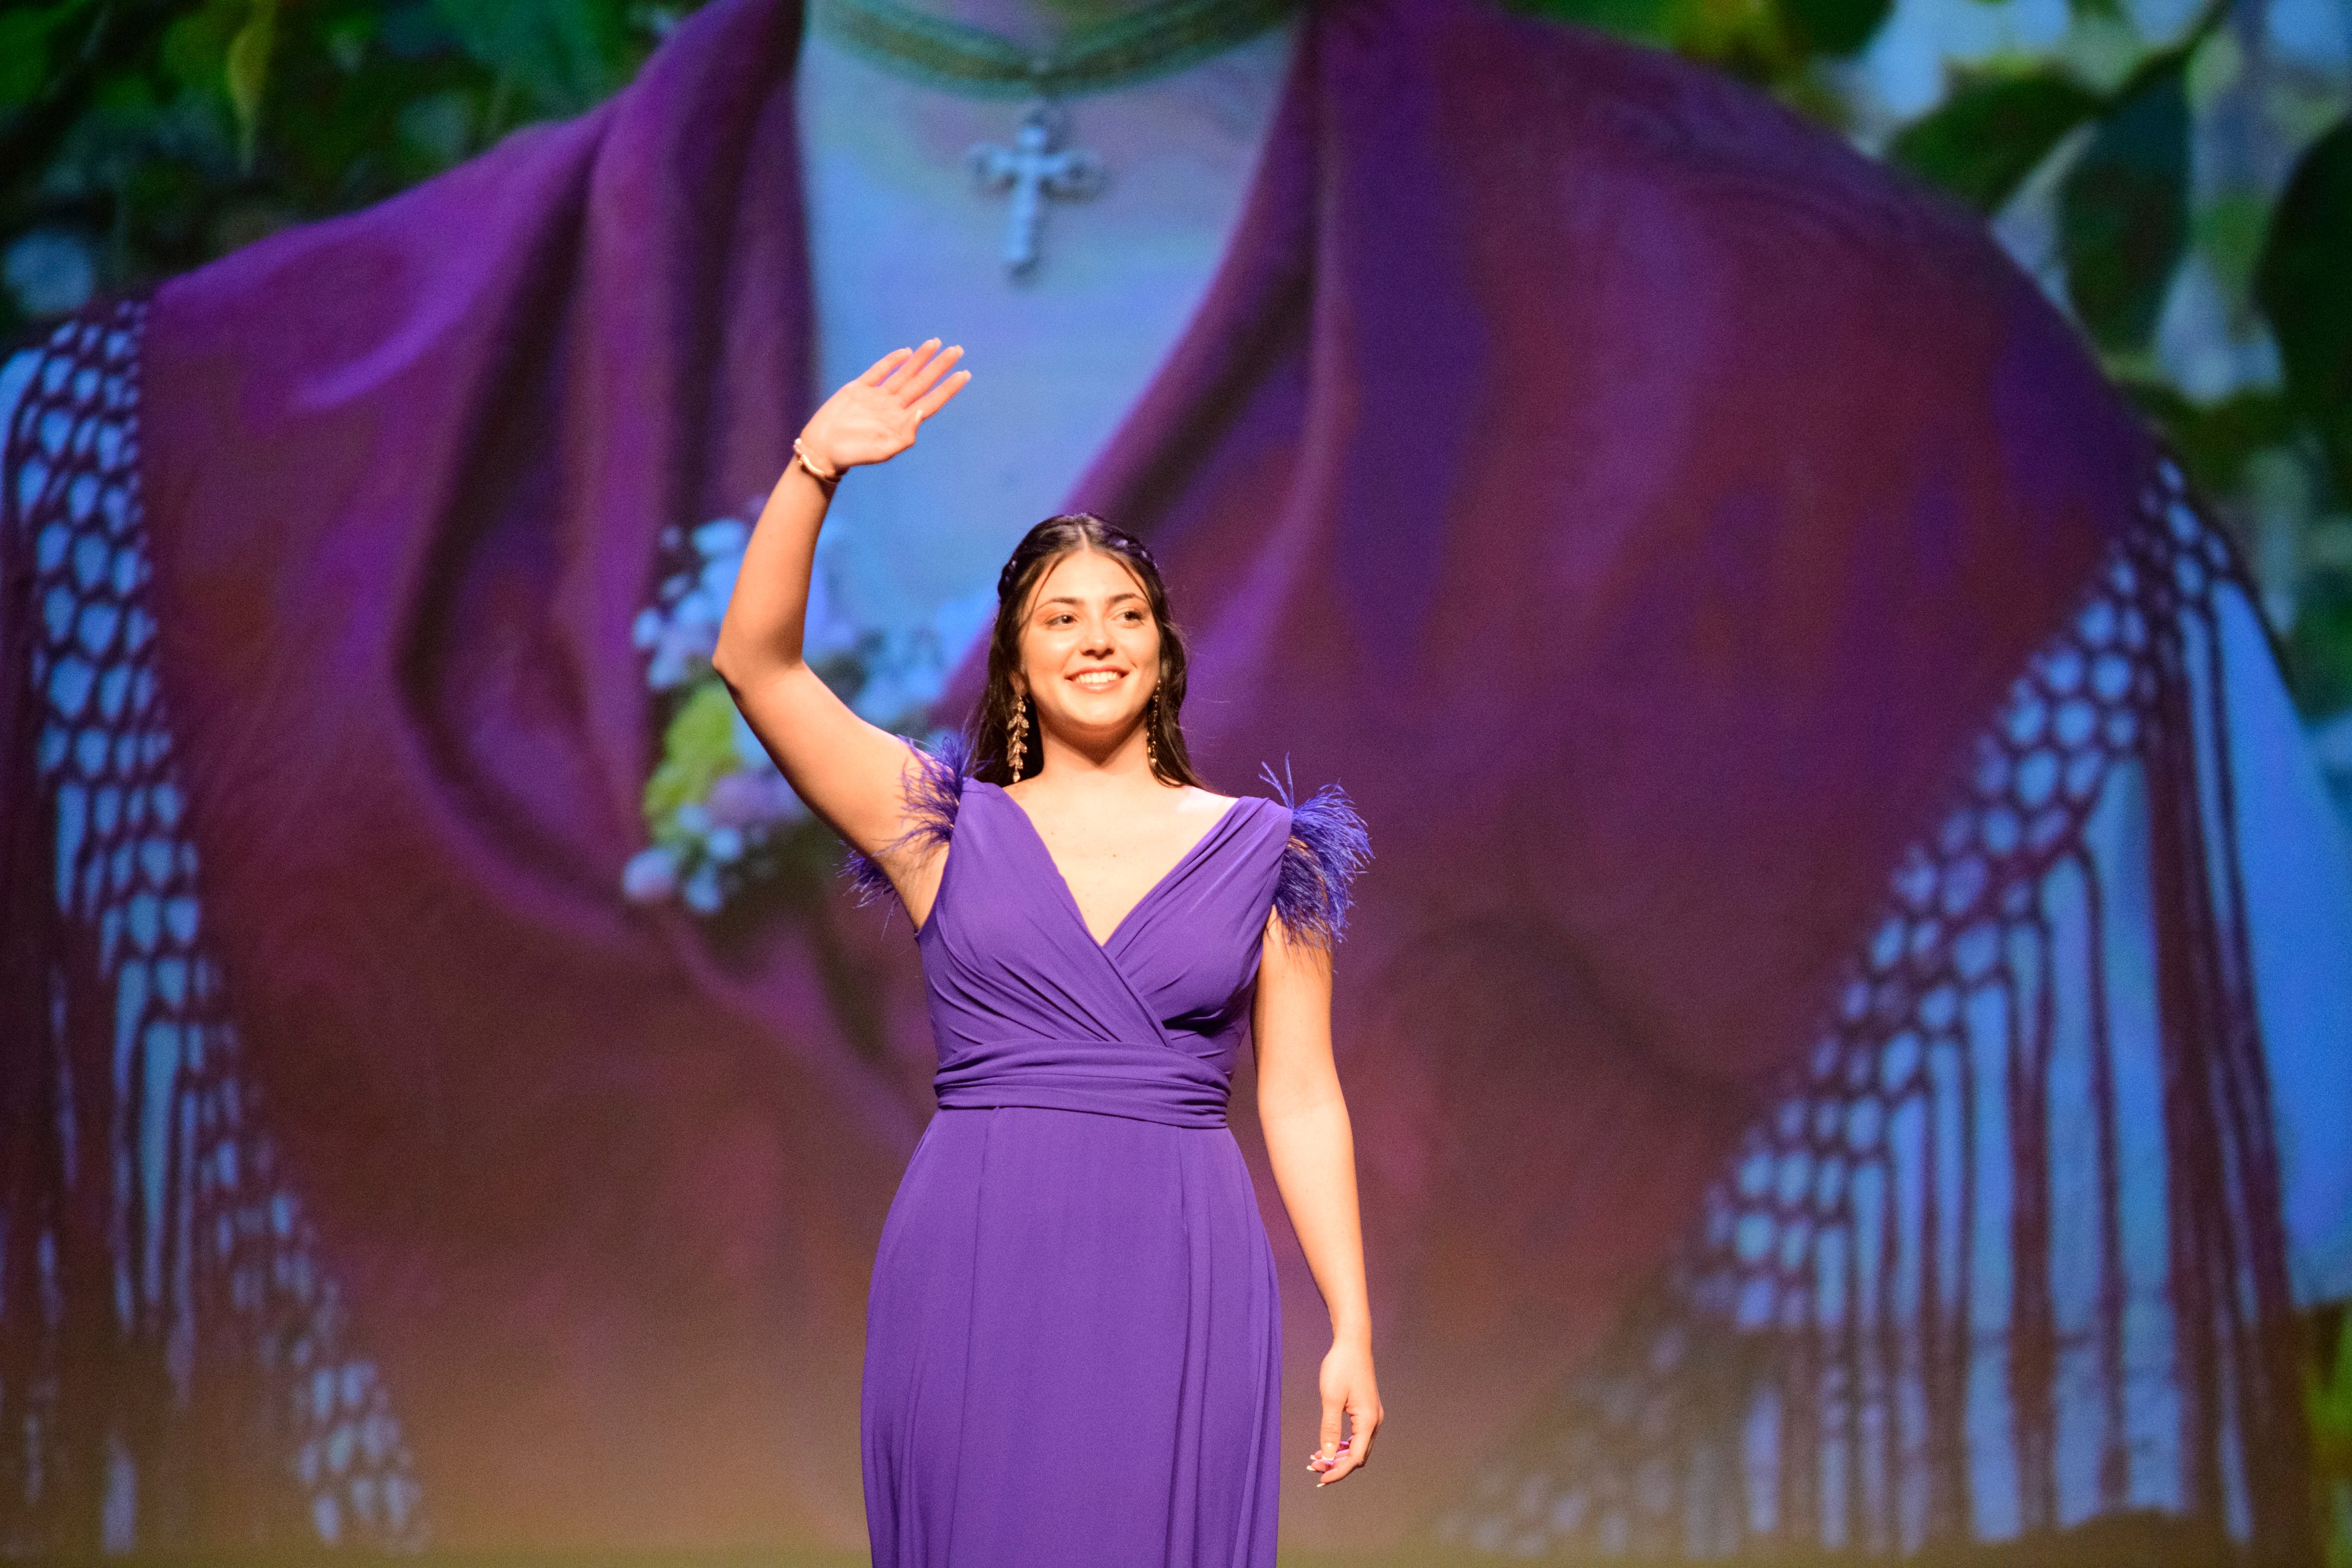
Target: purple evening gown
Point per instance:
(1074, 1340)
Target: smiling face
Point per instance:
(1089, 648)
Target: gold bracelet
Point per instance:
(819, 475)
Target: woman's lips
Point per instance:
(1098, 679)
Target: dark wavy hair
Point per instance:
(992, 730)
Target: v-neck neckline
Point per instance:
(1070, 900)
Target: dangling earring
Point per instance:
(1020, 734)
(1151, 728)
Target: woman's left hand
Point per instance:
(1347, 1385)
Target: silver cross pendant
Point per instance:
(1035, 167)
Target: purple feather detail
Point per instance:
(1327, 848)
(934, 792)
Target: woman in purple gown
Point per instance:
(1074, 1337)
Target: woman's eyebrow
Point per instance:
(1074, 599)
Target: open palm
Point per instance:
(873, 418)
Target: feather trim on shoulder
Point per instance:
(934, 792)
(1327, 848)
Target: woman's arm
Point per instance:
(849, 771)
(1313, 1151)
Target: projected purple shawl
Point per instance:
(1633, 496)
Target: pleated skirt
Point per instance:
(1073, 1350)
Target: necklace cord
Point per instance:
(958, 58)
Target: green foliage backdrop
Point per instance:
(143, 137)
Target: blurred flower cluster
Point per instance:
(718, 810)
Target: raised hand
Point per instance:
(873, 418)
(849, 771)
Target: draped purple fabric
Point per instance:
(1632, 494)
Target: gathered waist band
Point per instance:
(1145, 1079)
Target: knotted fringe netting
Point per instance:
(2007, 1255)
(174, 1368)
